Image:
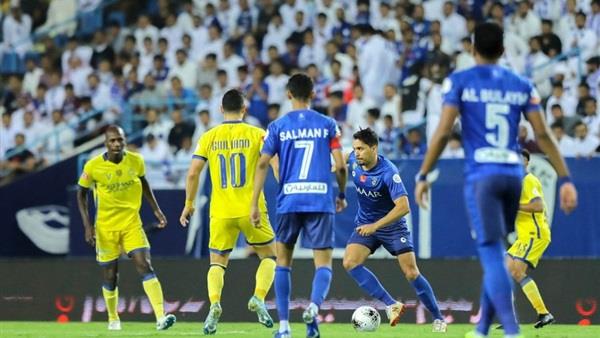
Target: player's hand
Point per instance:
(90, 236)
(187, 212)
(568, 197)
(162, 220)
(255, 216)
(421, 192)
(340, 204)
(366, 230)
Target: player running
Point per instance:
(382, 205)
(117, 178)
(490, 100)
(303, 139)
(231, 151)
(533, 237)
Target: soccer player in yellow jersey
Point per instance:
(533, 237)
(117, 178)
(232, 151)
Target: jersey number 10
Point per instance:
(235, 167)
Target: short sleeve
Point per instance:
(451, 91)
(142, 167)
(201, 151)
(395, 186)
(533, 100)
(86, 180)
(335, 134)
(271, 144)
(530, 190)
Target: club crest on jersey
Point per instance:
(396, 178)
(119, 172)
(374, 181)
(353, 173)
(362, 178)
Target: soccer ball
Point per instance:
(365, 319)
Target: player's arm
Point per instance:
(149, 196)
(83, 204)
(535, 205)
(401, 208)
(437, 145)
(547, 143)
(191, 188)
(341, 176)
(259, 182)
(275, 166)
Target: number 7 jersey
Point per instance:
(491, 99)
(232, 150)
(303, 139)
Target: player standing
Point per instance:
(117, 177)
(382, 205)
(303, 139)
(490, 100)
(231, 151)
(533, 237)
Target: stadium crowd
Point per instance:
(163, 66)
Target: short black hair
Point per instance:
(557, 124)
(301, 86)
(233, 101)
(368, 136)
(489, 40)
(113, 128)
(525, 153)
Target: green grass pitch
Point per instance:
(242, 330)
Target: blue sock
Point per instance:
(497, 284)
(425, 294)
(283, 285)
(370, 284)
(487, 313)
(320, 285)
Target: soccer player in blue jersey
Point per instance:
(304, 140)
(382, 205)
(490, 100)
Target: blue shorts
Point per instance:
(492, 204)
(395, 239)
(317, 229)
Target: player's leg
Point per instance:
(492, 204)
(288, 229)
(107, 254)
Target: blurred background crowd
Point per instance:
(159, 68)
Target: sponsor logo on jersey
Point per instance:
(368, 193)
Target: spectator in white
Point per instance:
(277, 82)
(385, 19)
(465, 58)
(391, 105)
(145, 29)
(582, 37)
(287, 11)
(548, 9)
(593, 20)
(208, 101)
(59, 18)
(332, 52)
(207, 72)
(454, 26)
(376, 63)
(156, 125)
(591, 118)
(433, 9)
(331, 7)
(158, 161)
(566, 24)
(525, 22)
(182, 160)
(515, 48)
(165, 52)
(246, 20)
(21, 159)
(172, 32)
(585, 144)
(534, 70)
(55, 95)
(357, 109)
(199, 34)
(152, 96)
(77, 75)
(31, 128)
(593, 74)
(227, 16)
(102, 50)
(32, 76)
(322, 31)
(185, 19)
(23, 104)
(7, 134)
(556, 114)
(60, 142)
(184, 69)
(215, 42)
(203, 124)
(566, 144)
(16, 29)
(99, 93)
(105, 72)
(454, 147)
(300, 23)
(311, 52)
(230, 62)
(339, 83)
(567, 102)
(146, 56)
(277, 32)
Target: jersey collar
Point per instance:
(231, 122)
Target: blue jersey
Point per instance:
(377, 189)
(303, 139)
(490, 100)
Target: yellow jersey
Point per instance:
(117, 190)
(532, 224)
(232, 150)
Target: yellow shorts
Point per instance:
(110, 244)
(224, 232)
(529, 250)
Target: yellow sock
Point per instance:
(155, 296)
(264, 278)
(111, 298)
(533, 294)
(215, 282)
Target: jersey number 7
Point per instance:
(308, 147)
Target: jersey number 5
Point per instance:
(308, 147)
(496, 120)
(235, 167)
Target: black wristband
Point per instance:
(563, 180)
(342, 196)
